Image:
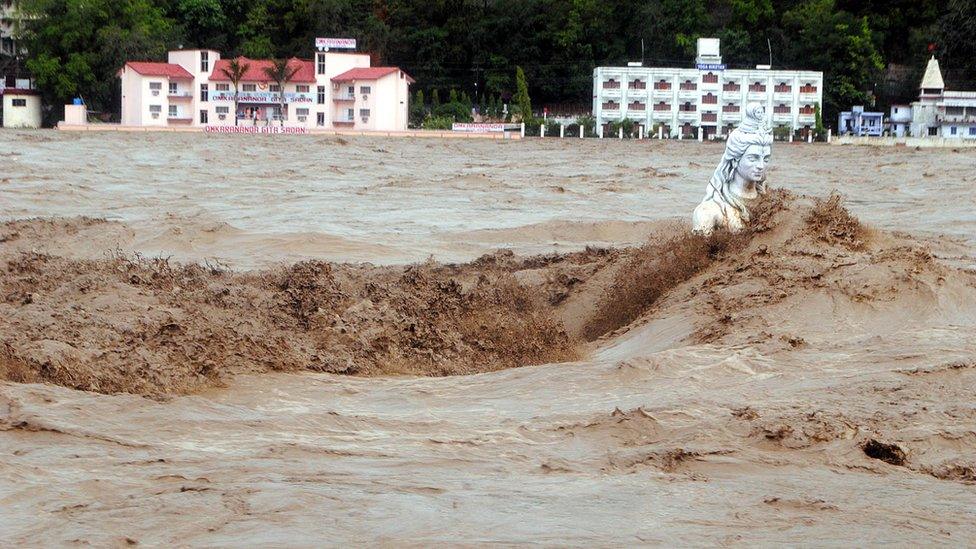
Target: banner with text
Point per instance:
(255, 129)
(337, 43)
(262, 97)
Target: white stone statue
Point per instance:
(739, 177)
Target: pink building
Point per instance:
(335, 90)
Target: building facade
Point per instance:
(10, 19)
(681, 100)
(21, 107)
(900, 120)
(940, 112)
(860, 123)
(333, 91)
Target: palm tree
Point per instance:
(235, 71)
(281, 74)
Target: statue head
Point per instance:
(747, 154)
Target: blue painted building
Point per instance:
(860, 123)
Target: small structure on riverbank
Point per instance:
(21, 106)
(860, 123)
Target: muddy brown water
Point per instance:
(737, 412)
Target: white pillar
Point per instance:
(828, 135)
(542, 130)
(660, 132)
(640, 132)
(681, 133)
(620, 133)
(791, 136)
(810, 136)
(581, 131)
(701, 134)
(523, 129)
(562, 131)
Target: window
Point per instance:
(710, 78)
(933, 131)
(274, 88)
(204, 61)
(19, 102)
(301, 89)
(320, 119)
(320, 96)
(952, 130)
(223, 87)
(301, 112)
(364, 90)
(203, 117)
(155, 109)
(204, 92)
(972, 130)
(320, 63)
(223, 110)
(365, 113)
(173, 111)
(172, 88)
(710, 99)
(156, 86)
(351, 113)
(249, 87)
(352, 90)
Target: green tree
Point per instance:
(523, 106)
(235, 71)
(281, 72)
(76, 48)
(418, 111)
(839, 44)
(435, 99)
(818, 126)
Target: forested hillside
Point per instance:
(871, 51)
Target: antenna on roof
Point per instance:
(770, 46)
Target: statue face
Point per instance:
(752, 165)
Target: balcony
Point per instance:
(180, 96)
(782, 96)
(662, 115)
(757, 96)
(344, 97)
(709, 117)
(687, 115)
(782, 117)
(662, 93)
(181, 120)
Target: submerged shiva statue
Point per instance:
(739, 177)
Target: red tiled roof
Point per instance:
(367, 73)
(18, 91)
(149, 68)
(255, 70)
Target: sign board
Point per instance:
(711, 67)
(255, 129)
(338, 43)
(262, 97)
(483, 128)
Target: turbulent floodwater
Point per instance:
(764, 401)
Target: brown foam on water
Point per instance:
(148, 326)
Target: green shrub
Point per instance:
(438, 123)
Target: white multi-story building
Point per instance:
(10, 18)
(940, 112)
(335, 90)
(681, 100)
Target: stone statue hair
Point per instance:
(752, 131)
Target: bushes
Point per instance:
(438, 123)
